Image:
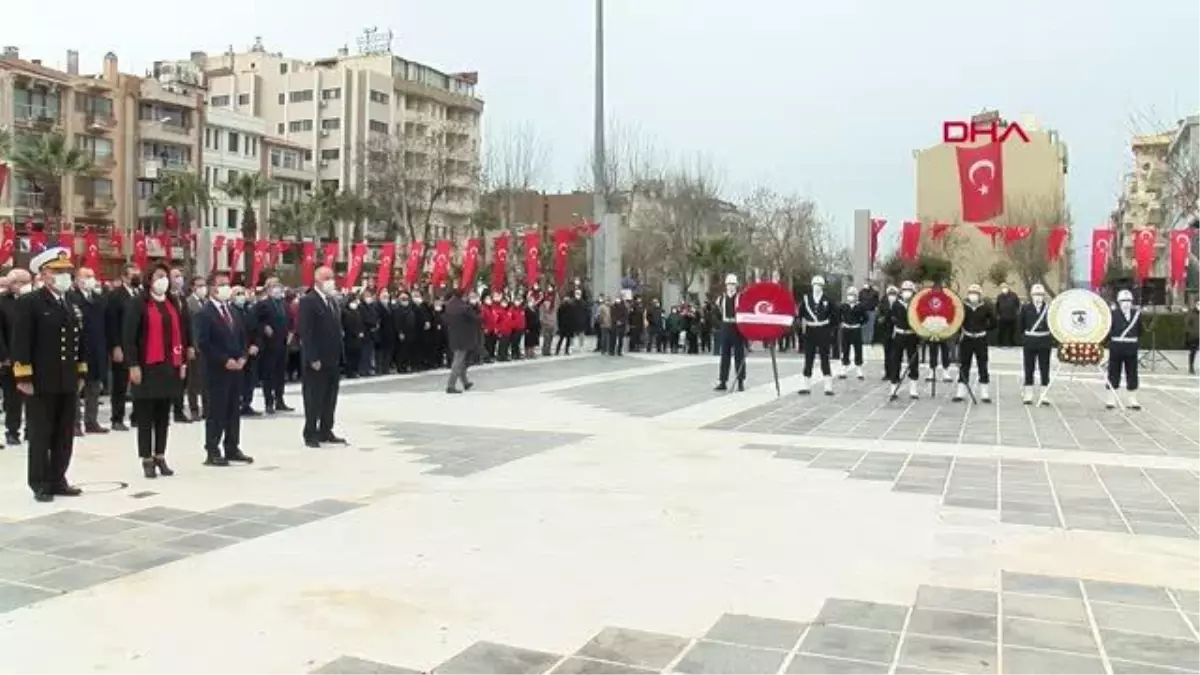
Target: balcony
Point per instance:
(35, 117)
(98, 206)
(28, 201)
(100, 124)
(167, 132)
(104, 163)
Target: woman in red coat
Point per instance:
(490, 318)
(503, 330)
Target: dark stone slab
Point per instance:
(246, 529)
(44, 540)
(103, 526)
(65, 518)
(1021, 661)
(76, 577)
(329, 507)
(289, 518)
(157, 514)
(13, 596)
(149, 535)
(809, 664)
(1036, 584)
(348, 665)
(95, 548)
(200, 522)
(756, 631)
(948, 655)
(1164, 622)
(942, 623)
(1151, 649)
(1042, 635)
(634, 647)
(490, 657)
(19, 565)
(198, 542)
(861, 614)
(139, 559)
(1045, 608)
(1130, 594)
(718, 658)
(956, 600)
(245, 511)
(850, 643)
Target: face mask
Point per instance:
(22, 290)
(159, 285)
(730, 289)
(62, 282)
(176, 283)
(354, 305)
(384, 299)
(327, 287)
(239, 300)
(818, 289)
(404, 302)
(200, 292)
(224, 292)
(417, 299)
(368, 300)
(88, 284)
(437, 308)
(906, 294)
(973, 298)
(1003, 289)
(578, 295)
(1125, 304)
(504, 304)
(851, 299)
(1037, 299)
(276, 292)
(474, 301)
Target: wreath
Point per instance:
(1081, 353)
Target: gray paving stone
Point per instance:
(76, 577)
(948, 655)
(148, 535)
(809, 664)
(244, 511)
(13, 596)
(1151, 649)
(44, 540)
(246, 529)
(581, 666)
(756, 631)
(1189, 601)
(200, 522)
(956, 599)
(139, 559)
(1129, 668)
(348, 665)
(1045, 608)
(90, 550)
(329, 507)
(634, 647)
(19, 565)
(1043, 635)
(1024, 661)
(720, 658)
(289, 518)
(460, 451)
(65, 518)
(1036, 584)
(1130, 594)
(1168, 623)
(861, 614)
(198, 542)
(157, 514)
(850, 643)
(961, 625)
(103, 526)
(490, 657)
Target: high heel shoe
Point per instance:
(161, 463)
(148, 469)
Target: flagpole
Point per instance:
(599, 179)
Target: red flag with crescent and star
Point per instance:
(980, 181)
(1181, 245)
(358, 253)
(562, 246)
(938, 231)
(387, 260)
(218, 245)
(441, 263)
(1056, 242)
(91, 249)
(499, 261)
(532, 240)
(329, 254)
(237, 248)
(116, 238)
(470, 265)
(412, 265)
(141, 257)
(262, 249)
(66, 237)
(1015, 233)
(1143, 251)
(910, 239)
(37, 240)
(308, 262)
(9, 242)
(1102, 241)
(877, 225)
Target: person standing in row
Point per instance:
(904, 343)
(886, 328)
(817, 313)
(855, 319)
(978, 318)
(732, 344)
(155, 342)
(177, 293)
(464, 326)
(49, 364)
(253, 334)
(320, 325)
(1008, 310)
(869, 298)
(1192, 335)
(548, 319)
(197, 405)
(118, 303)
(1124, 334)
(272, 317)
(1035, 324)
(222, 339)
(19, 283)
(91, 306)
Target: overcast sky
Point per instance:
(823, 98)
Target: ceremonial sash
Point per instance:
(809, 310)
(1124, 336)
(1033, 330)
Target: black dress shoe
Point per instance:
(95, 429)
(119, 426)
(284, 408)
(249, 412)
(215, 460)
(239, 457)
(43, 496)
(12, 439)
(741, 386)
(720, 387)
(160, 463)
(269, 410)
(333, 439)
(452, 390)
(467, 386)
(148, 469)
(67, 491)
(182, 419)
(311, 444)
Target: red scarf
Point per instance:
(156, 350)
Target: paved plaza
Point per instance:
(595, 514)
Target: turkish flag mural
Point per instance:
(262, 248)
(499, 261)
(1056, 243)
(91, 249)
(470, 265)
(1015, 233)
(358, 252)
(910, 239)
(9, 243)
(980, 182)
(412, 266)
(141, 256)
(387, 260)
(533, 261)
(441, 263)
(308, 262)
(1143, 251)
(562, 247)
(1181, 245)
(1102, 241)
(218, 245)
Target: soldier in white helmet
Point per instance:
(1123, 337)
(817, 314)
(979, 317)
(732, 344)
(904, 342)
(1035, 324)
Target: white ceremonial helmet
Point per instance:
(818, 280)
(892, 289)
(731, 279)
(1125, 294)
(908, 286)
(1037, 289)
(975, 288)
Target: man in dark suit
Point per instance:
(114, 320)
(14, 400)
(222, 342)
(272, 318)
(86, 296)
(320, 358)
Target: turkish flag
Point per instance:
(980, 182)
(470, 265)
(586, 229)
(990, 231)
(308, 262)
(910, 239)
(329, 253)
(1015, 233)
(441, 263)
(170, 218)
(1181, 245)
(387, 260)
(1102, 241)
(117, 239)
(938, 231)
(358, 252)
(262, 248)
(91, 249)
(164, 240)
(533, 261)
(412, 266)
(66, 238)
(877, 225)
(9, 242)
(37, 241)
(499, 262)
(3, 176)
(562, 246)
(1143, 251)
(1056, 242)
(141, 257)
(218, 245)
(236, 251)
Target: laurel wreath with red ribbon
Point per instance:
(1080, 353)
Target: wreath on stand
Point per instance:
(1081, 353)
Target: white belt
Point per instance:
(851, 325)
(816, 324)
(1037, 333)
(969, 334)
(901, 331)
(1125, 339)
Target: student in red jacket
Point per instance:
(516, 324)
(490, 317)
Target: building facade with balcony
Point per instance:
(233, 145)
(170, 119)
(1142, 203)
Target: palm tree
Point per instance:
(45, 160)
(250, 188)
(294, 218)
(717, 255)
(326, 209)
(188, 194)
(356, 209)
(5, 141)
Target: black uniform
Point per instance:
(1123, 338)
(48, 353)
(818, 316)
(732, 344)
(14, 401)
(272, 360)
(853, 318)
(904, 344)
(973, 342)
(114, 320)
(1035, 325)
(253, 334)
(885, 327)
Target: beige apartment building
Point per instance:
(1142, 203)
(1034, 194)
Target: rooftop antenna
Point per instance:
(372, 41)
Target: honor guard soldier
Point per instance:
(817, 313)
(979, 317)
(884, 314)
(1123, 337)
(1035, 326)
(731, 340)
(49, 365)
(854, 318)
(904, 342)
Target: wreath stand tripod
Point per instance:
(1150, 357)
(1072, 369)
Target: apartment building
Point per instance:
(1142, 202)
(1034, 176)
(234, 145)
(170, 120)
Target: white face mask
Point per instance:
(201, 292)
(239, 300)
(26, 288)
(1125, 305)
(578, 294)
(891, 297)
(818, 289)
(177, 284)
(327, 287)
(354, 305)
(730, 289)
(416, 299)
(224, 292)
(159, 286)
(62, 282)
(87, 284)
(906, 294)
(276, 292)
(851, 299)
(973, 298)
(1037, 299)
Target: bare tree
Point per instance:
(1028, 256)
(630, 158)
(681, 208)
(786, 235)
(514, 161)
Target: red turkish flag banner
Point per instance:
(877, 225)
(3, 177)
(1143, 251)
(1181, 245)
(164, 240)
(412, 265)
(66, 238)
(441, 263)
(141, 257)
(387, 260)
(236, 251)
(990, 231)
(170, 218)
(308, 262)
(938, 231)
(1057, 242)
(470, 265)
(586, 229)
(117, 239)
(981, 182)
(37, 241)
(910, 239)
(533, 261)
(562, 246)
(1015, 233)
(8, 245)
(1102, 241)
(218, 245)
(329, 254)
(499, 261)
(262, 249)
(91, 249)
(358, 253)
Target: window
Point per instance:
(231, 218)
(331, 94)
(36, 103)
(146, 189)
(331, 124)
(331, 184)
(308, 155)
(101, 188)
(379, 97)
(297, 126)
(97, 148)
(252, 147)
(301, 96)
(219, 101)
(233, 175)
(207, 138)
(243, 99)
(280, 128)
(93, 106)
(283, 69)
(233, 141)
(282, 98)
(330, 154)
(378, 127)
